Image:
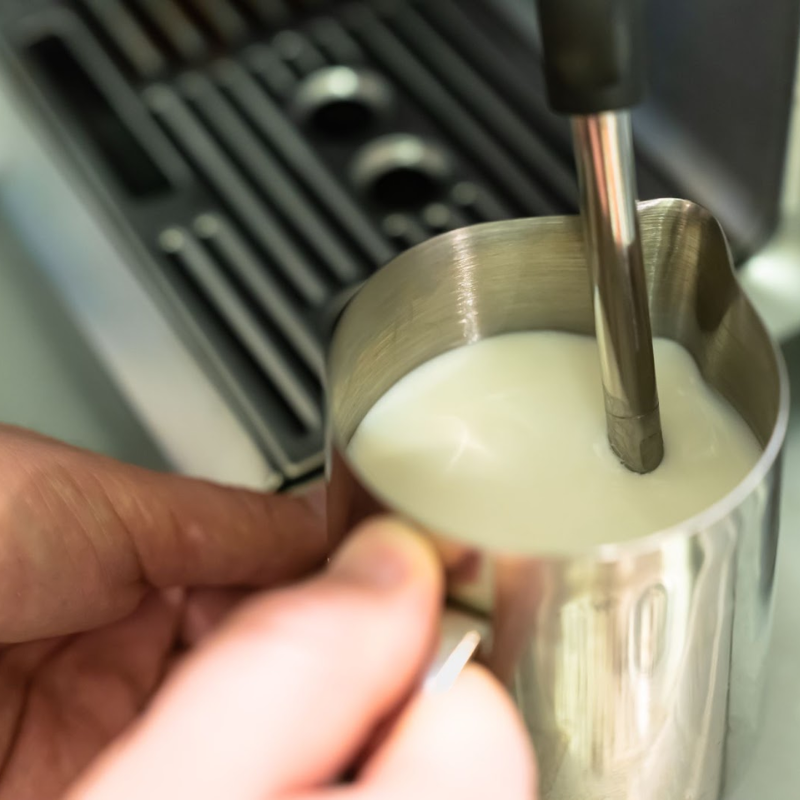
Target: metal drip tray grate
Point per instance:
(269, 154)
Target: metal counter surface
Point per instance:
(50, 381)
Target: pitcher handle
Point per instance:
(462, 635)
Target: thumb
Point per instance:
(83, 538)
(287, 693)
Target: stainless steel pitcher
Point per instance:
(637, 666)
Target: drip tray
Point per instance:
(266, 156)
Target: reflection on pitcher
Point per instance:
(627, 613)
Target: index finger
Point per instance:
(83, 537)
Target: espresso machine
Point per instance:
(204, 180)
(207, 181)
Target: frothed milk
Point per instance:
(508, 436)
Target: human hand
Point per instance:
(90, 553)
(86, 633)
(300, 684)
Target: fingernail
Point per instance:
(384, 555)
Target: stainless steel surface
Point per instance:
(50, 382)
(336, 85)
(639, 666)
(774, 771)
(604, 155)
(461, 637)
(69, 233)
(396, 152)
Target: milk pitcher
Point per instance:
(637, 666)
